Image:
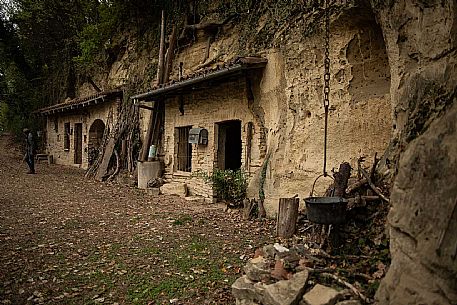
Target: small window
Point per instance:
(184, 149)
(56, 124)
(66, 136)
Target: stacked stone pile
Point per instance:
(280, 276)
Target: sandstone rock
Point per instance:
(195, 199)
(349, 302)
(291, 258)
(243, 289)
(245, 302)
(286, 292)
(423, 217)
(257, 269)
(280, 248)
(174, 188)
(321, 295)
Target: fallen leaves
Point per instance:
(66, 240)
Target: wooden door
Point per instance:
(78, 132)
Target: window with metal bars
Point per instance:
(184, 149)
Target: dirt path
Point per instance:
(67, 240)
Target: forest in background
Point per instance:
(49, 48)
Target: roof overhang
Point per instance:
(190, 82)
(79, 103)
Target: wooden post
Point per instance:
(286, 221)
(160, 65)
(169, 58)
(148, 138)
(341, 179)
(160, 77)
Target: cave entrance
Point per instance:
(229, 145)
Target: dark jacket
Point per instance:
(30, 144)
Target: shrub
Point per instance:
(229, 185)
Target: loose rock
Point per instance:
(321, 295)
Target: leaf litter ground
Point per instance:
(68, 240)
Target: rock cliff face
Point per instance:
(394, 79)
(421, 45)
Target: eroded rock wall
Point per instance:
(421, 44)
(290, 95)
(288, 101)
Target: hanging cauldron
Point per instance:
(326, 210)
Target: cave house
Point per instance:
(75, 128)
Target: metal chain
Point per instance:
(326, 79)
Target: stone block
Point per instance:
(321, 295)
(257, 269)
(286, 292)
(174, 188)
(195, 199)
(243, 289)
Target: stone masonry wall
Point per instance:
(205, 108)
(55, 139)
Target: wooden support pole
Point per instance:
(286, 221)
(157, 123)
(170, 52)
(160, 65)
(148, 137)
(160, 77)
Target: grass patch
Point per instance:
(182, 220)
(194, 266)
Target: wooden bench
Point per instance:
(45, 157)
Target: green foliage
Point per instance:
(229, 185)
(95, 38)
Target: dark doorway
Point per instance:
(229, 145)
(78, 143)
(96, 132)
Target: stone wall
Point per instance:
(204, 109)
(55, 138)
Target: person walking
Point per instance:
(29, 156)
